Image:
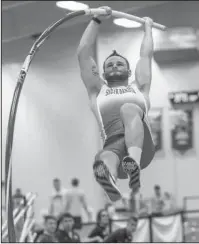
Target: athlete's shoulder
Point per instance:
(132, 83)
(103, 89)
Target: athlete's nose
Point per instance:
(114, 66)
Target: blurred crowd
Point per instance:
(63, 218)
(159, 204)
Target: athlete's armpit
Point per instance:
(95, 70)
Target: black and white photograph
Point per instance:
(99, 121)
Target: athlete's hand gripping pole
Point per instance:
(117, 14)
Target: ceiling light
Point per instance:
(126, 23)
(72, 5)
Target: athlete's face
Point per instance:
(116, 69)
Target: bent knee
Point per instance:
(106, 156)
(129, 110)
(98, 156)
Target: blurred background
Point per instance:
(56, 135)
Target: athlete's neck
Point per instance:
(118, 83)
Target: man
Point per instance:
(65, 232)
(169, 203)
(123, 234)
(76, 202)
(19, 199)
(144, 209)
(102, 228)
(19, 202)
(48, 235)
(157, 201)
(120, 107)
(57, 199)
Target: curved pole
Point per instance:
(17, 92)
(12, 117)
(118, 14)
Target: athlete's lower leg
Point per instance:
(134, 137)
(105, 169)
(134, 130)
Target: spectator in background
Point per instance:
(122, 235)
(38, 231)
(48, 234)
(114, 216)
(144, 210)
(65, 230)
(57, 199)
(19, 202)
(110, 208)
(102, 228)
(157, 201)
(169, 203)
(19, 199)
(76, 202)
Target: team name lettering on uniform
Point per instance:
(119, 91)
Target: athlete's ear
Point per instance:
(103, 75)
(129, 73)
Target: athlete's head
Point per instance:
(116, 68)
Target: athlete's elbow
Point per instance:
(146, 53)
(145, 88)
(143, 82)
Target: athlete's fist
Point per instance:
(106, 15)
(148, 21)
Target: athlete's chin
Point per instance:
(116, 78)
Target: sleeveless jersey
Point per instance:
(107, 106)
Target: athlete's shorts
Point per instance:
(116, 144)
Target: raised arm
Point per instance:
(143, 72)
(88, 67)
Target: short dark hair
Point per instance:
(56, 179)
(47, 217)
(75, 182)
(157, 187)
(114, 53)
(63, 216)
